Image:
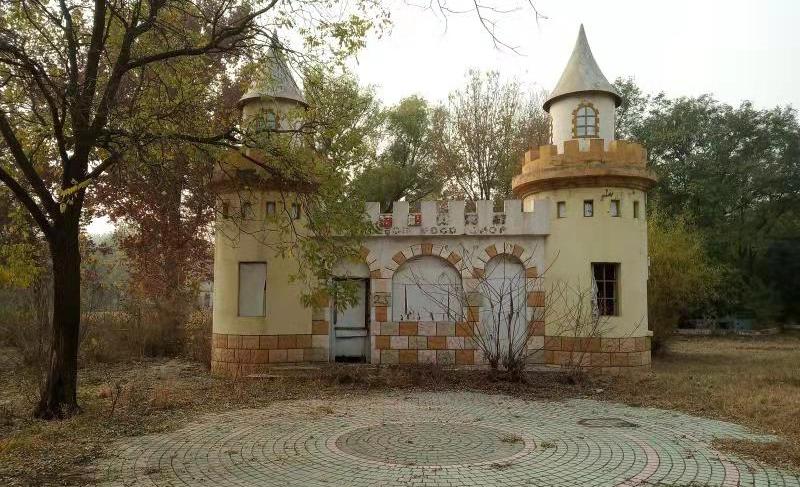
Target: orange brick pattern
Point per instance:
(424, 342)
(608, 354)
(243, 355)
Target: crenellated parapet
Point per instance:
(445, 218)
(584, 163)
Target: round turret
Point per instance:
(596, 187)
(582, 105)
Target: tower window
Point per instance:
(615, 208)
(247, 210)
(604, 280)
(561, 209)
(271, 120)
(585, 121)
(226, 209)
(636, 209)
(270, 208)
(588, 208)
(295, 211)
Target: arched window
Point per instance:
(426, 288)
(585, 121)
(504, 309)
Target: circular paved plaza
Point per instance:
(440, 439)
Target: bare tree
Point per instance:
(482, 133)
(71, 108)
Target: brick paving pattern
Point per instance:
(440, 439)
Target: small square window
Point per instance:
(615, 208)
(562, 209)
(636, 209)
(588, 208)
(270, 208)
(295, 211)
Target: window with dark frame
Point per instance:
(270, 208)
(585, 122)
(636, 209)
(605, 276)
(561, 209)
(588, 208)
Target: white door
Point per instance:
(350, 327)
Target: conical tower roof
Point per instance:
(277, 81)
(582, 75)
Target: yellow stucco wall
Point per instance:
(576, 241)
(285, 313)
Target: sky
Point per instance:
(735, 49)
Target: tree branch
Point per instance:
(26, 199)
(24, 164)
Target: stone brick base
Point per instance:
(608, 354)
(424, 342)
(448, 343)
(242, 355)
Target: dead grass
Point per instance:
(751, 381)
(754, 381)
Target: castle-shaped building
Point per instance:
(557, 276)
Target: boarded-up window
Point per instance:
(252, 288)
(426, 289)
(505, 308)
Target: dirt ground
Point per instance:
(751, 381)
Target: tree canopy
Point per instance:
(733, 172)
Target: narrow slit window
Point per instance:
(605, 277)
(252, 289)
(247, 210)
(562, 209)
(270, 208)
(271, 120)
(636, 209)
(615, 208)
(295, 211)
(588, 208)
(226, 210)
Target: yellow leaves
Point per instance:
(18, 266)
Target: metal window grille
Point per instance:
(605, 276)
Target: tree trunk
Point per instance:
(59, 394)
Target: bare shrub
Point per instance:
(197, 336)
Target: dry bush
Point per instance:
(197, 336)
(118, 336)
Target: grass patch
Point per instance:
(753, 381)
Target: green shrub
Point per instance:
(682, 278)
